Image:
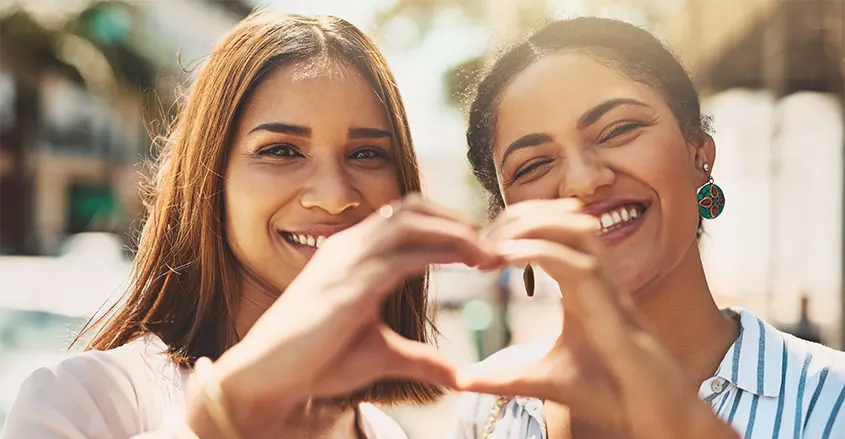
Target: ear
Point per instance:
(704, 151)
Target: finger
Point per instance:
(494, 263)
(530, 380)
(576, 230)
(535, 208)
(354, 307)
(567, 265)
(415, 202)
(609, 322)
(408, 359)
(388, 271)
(408, 228)
(414, 229)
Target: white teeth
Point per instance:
(311, 241)
(613, 219)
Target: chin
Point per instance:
(632, 277)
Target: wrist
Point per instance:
(208, 413)
(254, 402)
(228, 403)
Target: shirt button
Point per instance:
(717, 385)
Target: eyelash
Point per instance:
(283, 150)
(289, 151)
(622, 129)
(375, 153)
(618, 131)
(525, 170)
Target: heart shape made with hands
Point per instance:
(514, 238)
(605, 365)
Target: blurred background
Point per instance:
(83, 82)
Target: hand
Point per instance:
(324, 336)
(380, 354)
(606, 365)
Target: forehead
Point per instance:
(313, 93)
(556, 91)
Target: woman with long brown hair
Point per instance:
(293, 138)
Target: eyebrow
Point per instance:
(283, 128)
(593, 114)
(303, 131)
(525, 141)
(368, 133)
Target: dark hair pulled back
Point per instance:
(627, 48)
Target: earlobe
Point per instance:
(705, 154)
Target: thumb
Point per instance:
(409, 359)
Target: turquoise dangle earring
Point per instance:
(711, 199)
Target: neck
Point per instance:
(686, 319)
(256, 296)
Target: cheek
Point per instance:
(667, 169)
(377, 188)
(252, 197)
(546, 187)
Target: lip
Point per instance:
(615, 236)
(601, 207)
(313, 230)
(317, 229)
(598, 208)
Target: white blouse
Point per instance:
(134, 391)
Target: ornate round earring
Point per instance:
(711, 199)
(528, 280)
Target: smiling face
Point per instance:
(312, 154)
(570, 126)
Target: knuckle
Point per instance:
(414, 199)
(403, 220)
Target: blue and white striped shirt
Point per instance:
(769, 385)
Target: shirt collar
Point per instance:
(753, 362)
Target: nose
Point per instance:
(585, 173)
(329, 188)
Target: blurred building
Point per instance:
(773, 75)
(79, 82)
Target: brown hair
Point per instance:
(184, 286)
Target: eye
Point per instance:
(368, 153)
(282, 150)
(530, 168)
(622, 129)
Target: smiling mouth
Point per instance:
(299, 239)
(620, 217)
